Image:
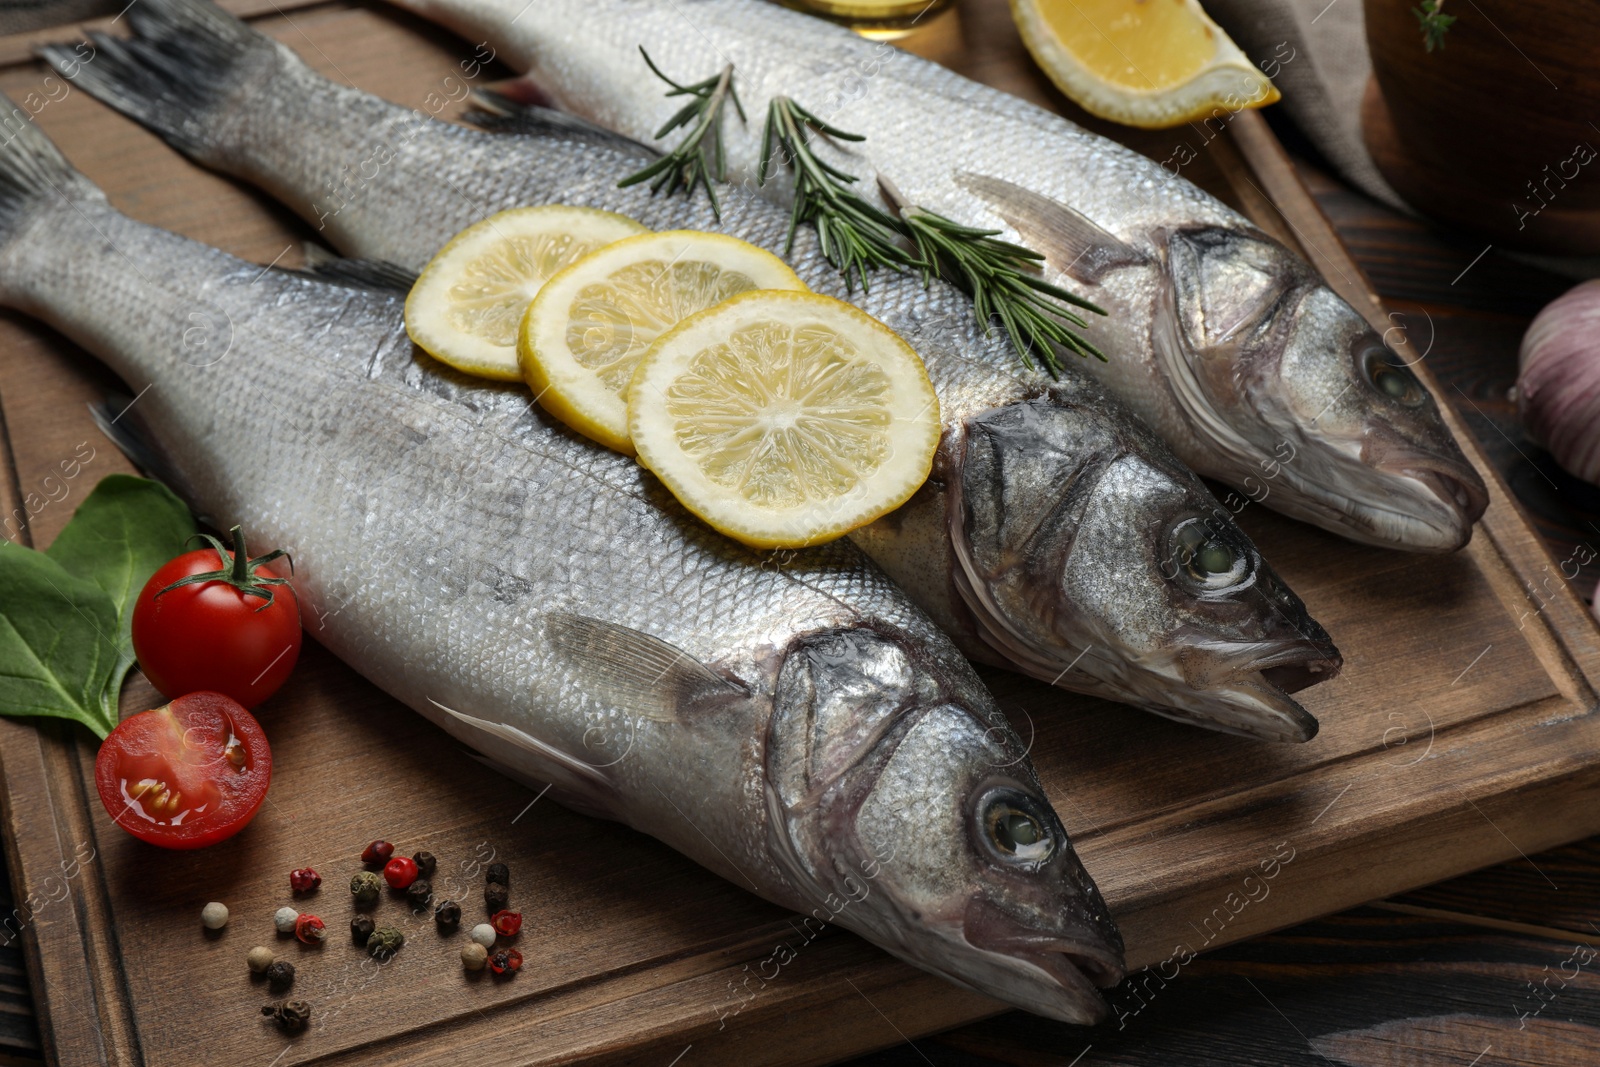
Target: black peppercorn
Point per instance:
(291, 1015)
(426, 863)
(496, 896)
(361, 928)
(280, 974)
(420, 893)
(447, 915)
(498, 872)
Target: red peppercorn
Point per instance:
(400, 872)
(506, 961)
(304, 880)
(377, 853)
(506, 923)
(310, 929)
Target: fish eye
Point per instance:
(1394, 380)
(1014, 827)
(1206, 557)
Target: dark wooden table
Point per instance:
(1499, 967)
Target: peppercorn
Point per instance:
(284, 919)
(426, 863)
(214, 916)
(366, 887)
(483, 934)
(498, 872)
(280, 974)
(506, 961)
(506, 923)
(304, 880)
(291, 1015)
(259, 960)
(474, 956)
(310, 930)
(385, 942)
(420, 893)
(447, 915)
(377, 853)
(496, 896)
(361, 928)
(400, 872)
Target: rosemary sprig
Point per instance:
(1435, 23)
(854, 235)
(1003, 282)
(698, 159)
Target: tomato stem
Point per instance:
(238, 570)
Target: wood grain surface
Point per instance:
(1461, 733)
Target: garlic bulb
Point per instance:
(1558, 386)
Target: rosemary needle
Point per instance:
(854, 235)
(698, 159)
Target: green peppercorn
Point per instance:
(385, 942)
(498, 872)
(366, 887)
(291, 1015)
(280, 974)
(361, 929)
(426, 863)
(447, 915)
(496, 896)
(420, 893)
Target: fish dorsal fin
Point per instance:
(634, 671)
(1069, 240)
(495, 112)
(375, 274)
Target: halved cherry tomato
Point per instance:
(185, 775)
(217, 620)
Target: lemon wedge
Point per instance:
(784, 419)
(1150, 63)
(586, 330)
(468, 301)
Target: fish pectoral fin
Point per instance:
(581, 786)
(1068, 239)
(634, 671)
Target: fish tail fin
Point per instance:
(187, 58)
(35, 178)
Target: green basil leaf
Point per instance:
(66, 614)
(58, 642)
(120, 535)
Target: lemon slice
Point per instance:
(785, 419)
(469, 300)
(585, 331)
(1150, 63)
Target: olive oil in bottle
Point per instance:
(879, 19)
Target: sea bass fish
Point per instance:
(1225, 342)
(1058, 536)
(805, 730)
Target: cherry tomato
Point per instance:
(217, 620)
(185, 775)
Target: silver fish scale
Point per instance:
(927, 125)
(337, 447)
(468, 175)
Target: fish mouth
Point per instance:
(1242, 688)
(1064, 972)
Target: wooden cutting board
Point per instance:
(1461, 733)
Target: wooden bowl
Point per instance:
(1499, 130)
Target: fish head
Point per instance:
(1090, 558)
(1304, 402)
(909, 812)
